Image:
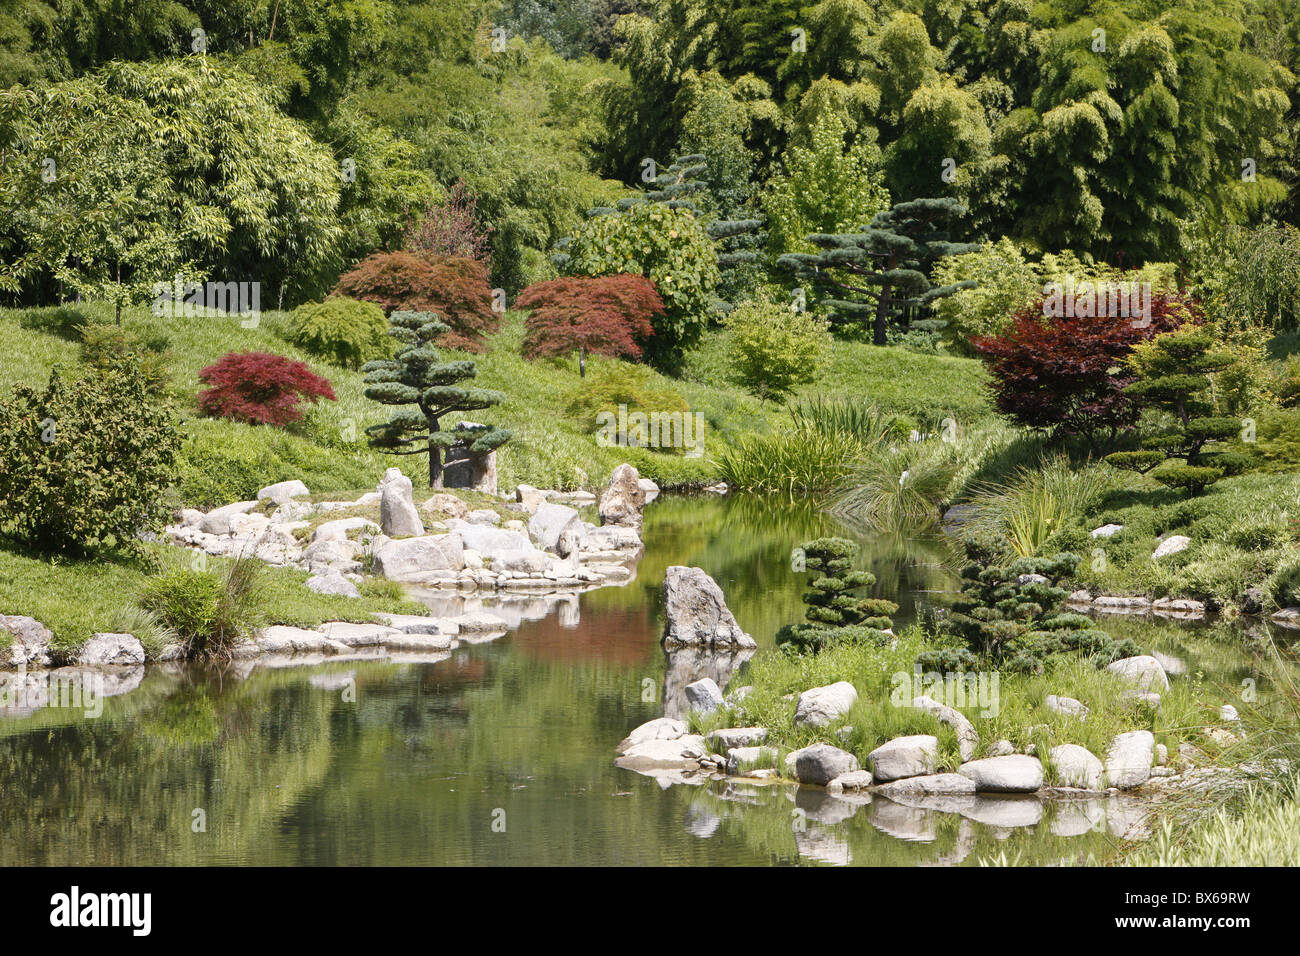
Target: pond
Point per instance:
(501, 752)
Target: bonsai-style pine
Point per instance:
(871, 278)
(1173, 374)
(603, 315)
(417, 377)
(835, 614)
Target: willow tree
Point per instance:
(417, 376)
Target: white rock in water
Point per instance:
(913, 756)
(696, 613)
(397, 514)
(1014, 773)
(704, 696)
(935, 783)
(1077, 767)
(283, 491)
(1171, 545)
(661, 728)
(111, 650)
(1128, 761)
(1143, 672)
(818, 706)
(820, 764)
(680, 753)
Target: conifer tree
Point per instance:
(834, 612)
(875, 275)
(417, 376)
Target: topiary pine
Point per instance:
(883, 266)
(417, 376)
(1008, 614)
(834, 613)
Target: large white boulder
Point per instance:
(1128, 761)
(397, 514)
(489, 542)
(623, 499)
(111, 650)
(1171, 545)
(680, 753)
(332, 582)
(912, 756)
(704, 695)
(415, 559)
(31, 642)
(819, 706)
(661, 728)
(1077, 767)
(557, 528)
(283, 491)
(696, 613)
(820, 764)
(1016, 773)
(1143, 672)
(217, 521)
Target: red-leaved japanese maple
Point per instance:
(452, 287)
(1066, 375)
(603, 315)
(260, 388)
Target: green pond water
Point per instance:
(502, 752)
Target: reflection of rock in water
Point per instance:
(335, 681)
(514, 609)
(1127, 819)
(820, 807)
(701, 821)
(22, 693)
(961, 849)
(689, 664)
(903, 823)
(1076, 817)
(822, 845)
(1005, 812)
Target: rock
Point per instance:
(467, 469)
(731, 737)
(1079, 597)
(1002, 748)
(697, 614)
(553, 525)
(1107, 530)
(528, 496)
(648, 486)
(1143, 672)
(1031, 579)
(935, 783)
(661, 728)
(191, 518)
(684, 752)
(704, 696)
(611, 538)
(31, 641)
(489, 542)
(1143, 698)
(415, 559)
(341, 528)
(967, 739)
(359, 635)
(249, 525)
(332, 582)
(742, 759)
(280, 639)
(853, 780)
(283, 492)
(1128, 761)
(397, 514)
(912, 756)
(1015, 773)
(113, 650)
(1117, 604)
(1065, 705)
(527, 562)
(329, 553)
(1287, 617)
(1162, 755)
(484, 516)
(820, 706)
(1171, 545)
(718, 488)
(217, 521)
(479, 621)
(1252, 600)
(623, 499)
(821, 763)
(449, 505)
(1077, 767)
(1228, 713)
(1178, 608)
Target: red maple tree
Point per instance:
(453, 287)
(260, 388)
(603, 315)
(1066, 375)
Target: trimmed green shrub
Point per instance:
(772, 349)
(347, 332)
(835, 614)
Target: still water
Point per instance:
(501, 753)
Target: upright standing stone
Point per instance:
(397, 514)
(622, 501)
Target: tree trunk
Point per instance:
(582, 363)
(435, 457)
(882, 316)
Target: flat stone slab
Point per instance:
(418, 624)
(729, 737)
(358, 635)
(936, 783)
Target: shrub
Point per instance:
(454, 288)
(209, 611)
(834, 613)
(449, 228)
(104, 344)
(1058, 375)
(772, 349)
(600, 315)
(86, 461)
(1005, 283)
(667, 246)
(899, 488)
(344, 331)
(260, 388)
(618, 384)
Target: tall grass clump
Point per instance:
(899, 487)
(209, 611)
(1033, 503)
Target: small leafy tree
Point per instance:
(1173, 374)
(452, 287)
(874, 276)
(417, 376)
(449, 228)
(344, 331)
(835, 614)
(86, 462)
(773, 349)
(600, 315)
(260, 388)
